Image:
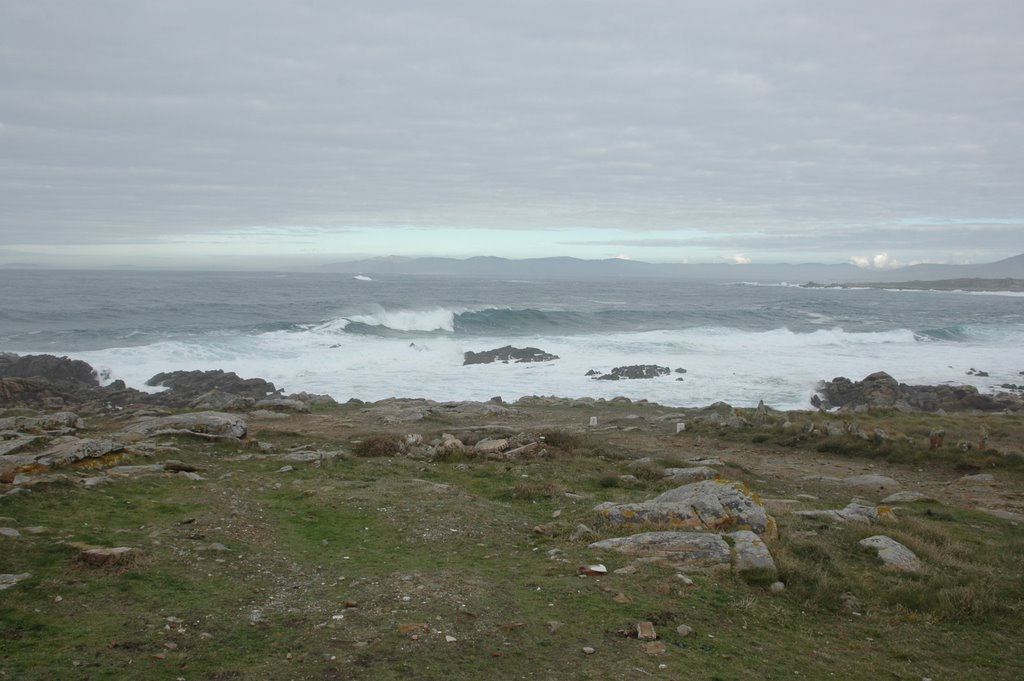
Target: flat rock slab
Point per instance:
(856, 513)
(58, 421)
(72, 449)
(212, 424)
(894, 555)
(104, 557)
(695, 550)
(709, 504)
(692, 474)
(871, 483)
(906, 498)
(17, 444)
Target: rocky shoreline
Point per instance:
(356, 535)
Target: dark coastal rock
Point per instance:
(634, 371)
(882, 390)
(185, 387)
(507, 354)
(65, 374)
(49, 382)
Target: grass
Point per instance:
(326, 564)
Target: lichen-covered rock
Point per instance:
(740, 551)
(709, 504)
(211, 424)
(72, 449)
(894, 555)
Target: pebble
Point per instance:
(587, 650)
(684, 630)
(777, 587)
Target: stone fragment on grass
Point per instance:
(9, 532)
(645, 631)
(9, 580)
(894, 555)
(710, 504)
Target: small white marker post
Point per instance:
(593, 421)
(680, 426)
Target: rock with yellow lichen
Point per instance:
(714, 505)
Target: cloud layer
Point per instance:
(821, 130)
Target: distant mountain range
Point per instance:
(575, 268)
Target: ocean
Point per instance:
(394, 336)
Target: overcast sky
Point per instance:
(259, 131)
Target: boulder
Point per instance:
(507, 354)
(209, 424)
(709, 504)
(634, 371)
(894, 555)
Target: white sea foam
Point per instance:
(739, 367)
(436, 319)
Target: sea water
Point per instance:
(395, 336)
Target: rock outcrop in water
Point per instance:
(882, 390)
(634, 371)
(508, 354)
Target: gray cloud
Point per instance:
(765, 123)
